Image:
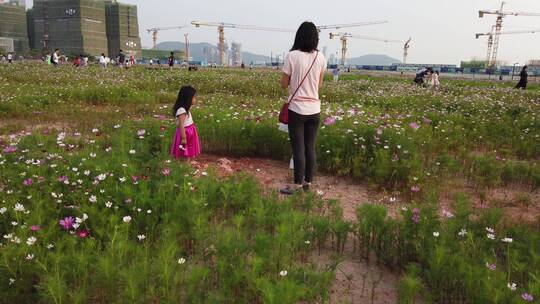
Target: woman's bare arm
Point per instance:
(285, 81)
(321, 79)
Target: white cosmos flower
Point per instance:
(507, 240)
(283, 273)
(3, 210)
(95, 130)
(141, 237)
(436, 234)
(31, 240)
(181, 261)
(92, 199)
(132, 151)
(307, 242)
(490, 230)
(86, 172)
(108, 204)
(102, 176)
(512, 286)
(462, 232)
(126, 219)
(18, 207)
(491, 236)
(50, 246)
(30, 257)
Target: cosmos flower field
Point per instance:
(93, 210)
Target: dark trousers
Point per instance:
(303, 134)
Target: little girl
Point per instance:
(186, 140)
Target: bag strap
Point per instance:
(302, 82)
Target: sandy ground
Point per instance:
(356, 281)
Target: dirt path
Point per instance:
(356, 281)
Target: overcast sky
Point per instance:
(442, 30)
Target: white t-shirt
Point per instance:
(189, 119)
(55, 57)
(297, 63)
(102, 60)
(10, 57)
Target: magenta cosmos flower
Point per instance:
(10, 149)
(35, 228)
(329, 121)
(67, 223)
(28, 182)
(83, 234)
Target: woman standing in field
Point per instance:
(303, 72)
(523, 79)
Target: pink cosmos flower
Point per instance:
(41, 179)
(141, 132)
(35, 228)
(329, 121)
(134, 178)
(62, 178)
(83, 233)
(28, 182)
(166, 171)
(492, 267)
(415, 188)
(67, 223)
(414, 126)
(527, 297)
(427, 121)
(416, 215)
(10, 149)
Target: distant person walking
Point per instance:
(102, 61)
(435, 79)
(121, 59)
(171, 60)
(55, 57)
(303, 72)
(10, 58)
(523, 79)
(335, 72)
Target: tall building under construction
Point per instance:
(84, 27)
(123, 29)
(13, 27)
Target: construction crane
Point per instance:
(348, 25)
(221, 30)
(406, 47)
(492, 33)
(154, 31)
(492, 56)
(345, 36)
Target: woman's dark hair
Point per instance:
(307, 38)
(184, 100)
(524, 68)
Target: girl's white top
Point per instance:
(297, 63)
(189, 120)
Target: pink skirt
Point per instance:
(192, 147)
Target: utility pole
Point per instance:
(186, 47)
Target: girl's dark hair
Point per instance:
(307, 38)
(184, 100)
(524, 67)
